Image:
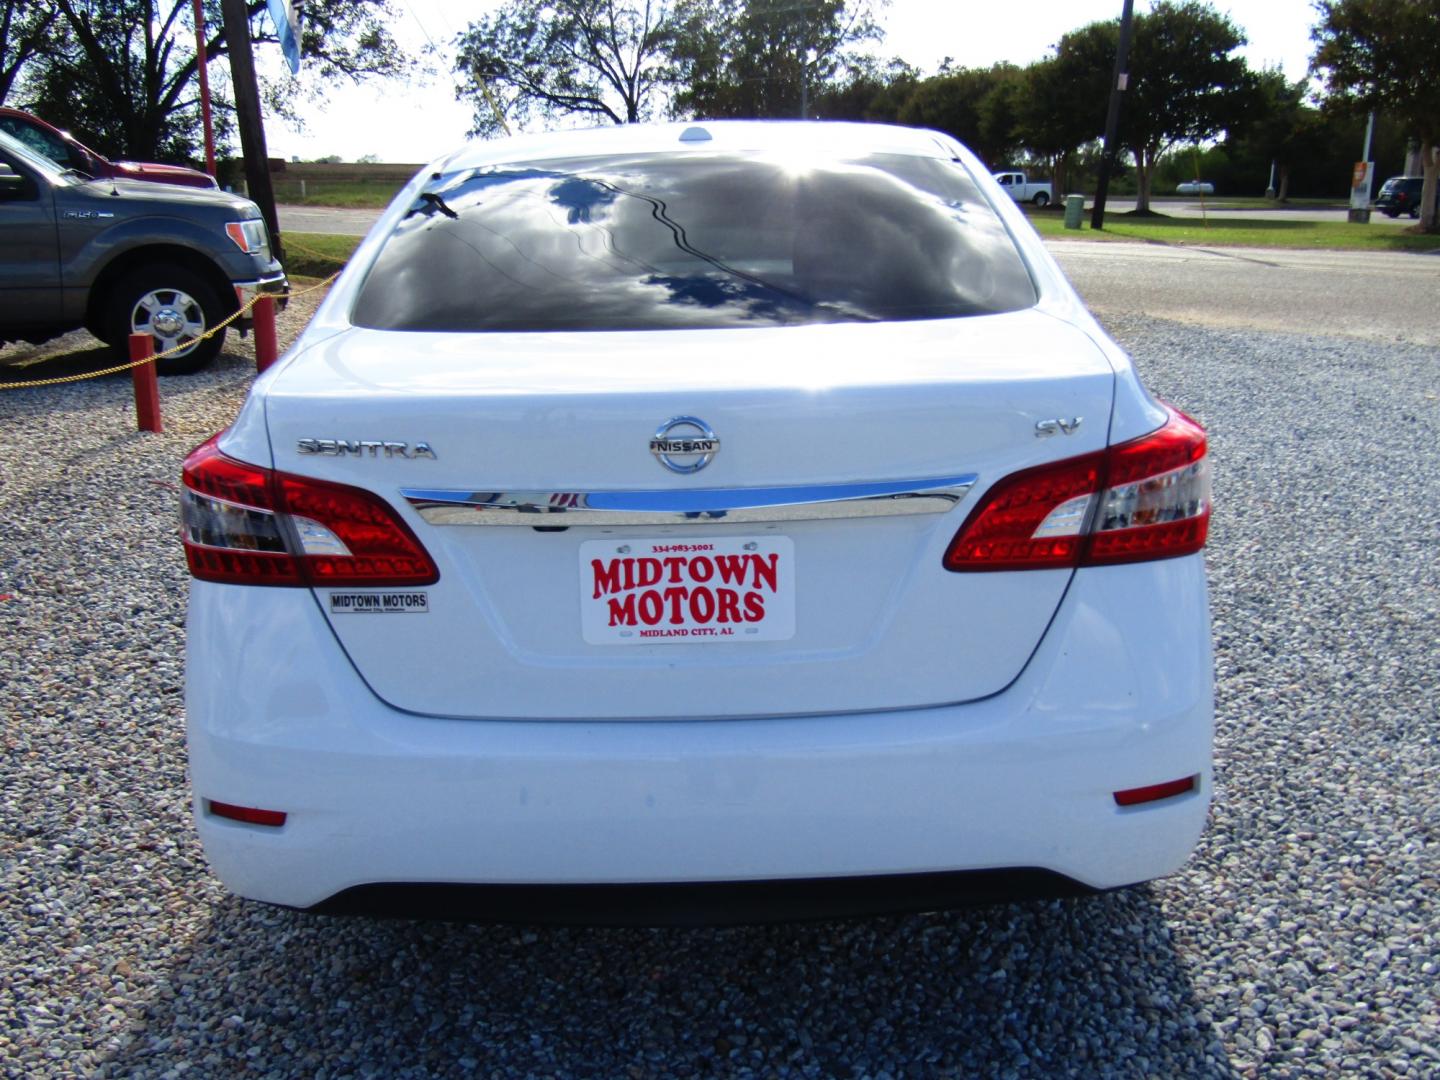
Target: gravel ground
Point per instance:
(1300, 940)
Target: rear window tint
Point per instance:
(675, 241)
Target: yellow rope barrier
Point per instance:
(57, 381)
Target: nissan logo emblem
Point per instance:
(684, 444)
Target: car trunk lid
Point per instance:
(570, 557)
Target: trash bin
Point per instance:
(1074, 211)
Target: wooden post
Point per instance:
(266, 349)
(1119, 82)
(147, 387)
(248, 119)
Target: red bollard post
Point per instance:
(266, 349)
(147, 387)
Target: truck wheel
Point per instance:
(1041, 199)
(175, 307)
(1392, 213)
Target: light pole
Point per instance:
(201, 65)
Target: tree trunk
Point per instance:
(1284, 191)
(1144, 166)
(1060, 175)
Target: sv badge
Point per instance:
(1045, 428)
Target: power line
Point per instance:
(411, 9)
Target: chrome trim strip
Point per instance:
(778, 504)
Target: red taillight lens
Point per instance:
(1144, 499)
(242, 524)
(248, 814)
(351, 537)
(1156, 792)
(1030, 519)
(1157, 497)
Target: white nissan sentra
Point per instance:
(715, 521)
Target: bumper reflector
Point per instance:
(1156, 792)
(247, 814)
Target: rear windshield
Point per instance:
(693, 241)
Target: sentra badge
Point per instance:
(365, 448)
(684, 444)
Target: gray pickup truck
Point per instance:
(120, 256)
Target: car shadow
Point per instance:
(74, 354)
(1069, 987)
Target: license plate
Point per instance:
(652, 592)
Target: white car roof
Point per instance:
(801, 136)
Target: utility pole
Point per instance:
(201, 67)
(247, 116)
(1118, 85)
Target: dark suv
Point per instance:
(1400, 195)
(121, 256)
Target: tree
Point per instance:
(599, 58)
(26, 29)
(976, 105)
(1313, 161)
(1184, 84)
(762, 58)
(868, 92)
(1060, 106)
(123, 75)
(1385, 55)
(1282, 128)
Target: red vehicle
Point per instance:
(65, 150)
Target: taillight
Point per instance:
(242, 524)
(1144, 499)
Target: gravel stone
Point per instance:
(1301, 939)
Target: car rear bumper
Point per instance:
(705, 903)
(1117, 696)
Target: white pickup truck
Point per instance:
(1022, 191)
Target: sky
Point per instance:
(416, 121)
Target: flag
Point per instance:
(287, 28)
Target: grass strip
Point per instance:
(351, 194)
(316, 255)
(319, 255)
(1240, 232)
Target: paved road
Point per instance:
(343, 222)
(1375, 295)
(325, 219)
(1380, 296)
(321, 219)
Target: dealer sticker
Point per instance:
(652, 592)
(379, 603)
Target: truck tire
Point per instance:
(175, 306)
(1042, 200)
